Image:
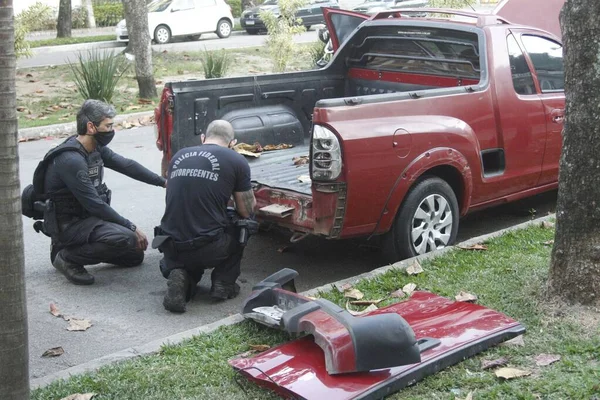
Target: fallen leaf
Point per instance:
(28, 76)
(280, 146)
(126, 124)
(365, 302)
(131, 108)
(414, 268)
(21, 109)
(32, 81)
(344, 287)
(549, 243)
(511, 373)
(260, 347)
(353, 293)
(466, 297)
(372, 307)
(469, 397)
(144, 101)
(76, 324)
(54, 310)
(39, 91)
(498, 362)
(298, 161)
(304, 179)
(409, 288)
(79, 396)
(283, 249)
(547, 225)
(546, 359)
(518, 341)
(54, 352)
(476, 246)
(246, 354)
(398, 294)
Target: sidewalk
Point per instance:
(41, 35)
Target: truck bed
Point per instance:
(277, 170)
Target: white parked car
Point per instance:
(168, 18)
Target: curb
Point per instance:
(154, 346)
(70, 128)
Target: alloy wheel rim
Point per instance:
(162, 35)
(225, 29)
(431, 224)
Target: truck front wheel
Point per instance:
(426, 221)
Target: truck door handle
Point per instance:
(558, 116)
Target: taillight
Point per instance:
(326, 154)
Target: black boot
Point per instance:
(178, 286)
(74, 272)
(223, 291)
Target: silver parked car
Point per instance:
(371, 7)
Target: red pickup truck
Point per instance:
(414, 123)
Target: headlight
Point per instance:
(326, 154)
(122, 24)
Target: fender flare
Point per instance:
(437, 157)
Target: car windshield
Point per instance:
(159, 5)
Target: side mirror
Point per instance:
(323, 35)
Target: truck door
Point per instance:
(546, 60)
(517, 162)
(341, 24)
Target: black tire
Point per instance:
(162, 34)
(223, 28)
(307, 27)
(398, 243)
(252, 31)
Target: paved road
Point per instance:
(57, 55)
(125, 305)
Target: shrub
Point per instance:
(21, 45)
(316, 51)
(236, 7)
(38, 17)
(215, 63)
(97, 74)
(79, 18)
(108, 13)
(282, 29)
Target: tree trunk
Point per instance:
(91, 21)
(63, 25)
(136, 17)
(14, 364)
(575, 266)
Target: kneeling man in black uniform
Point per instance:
(84, 228)
(197, 232)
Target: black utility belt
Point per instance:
(196, 243)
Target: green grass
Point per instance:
(510, 277)
(71, 40)
(169, 66)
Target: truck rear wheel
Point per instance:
(426, 221)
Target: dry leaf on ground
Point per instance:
(353, 293)
(280, 146)
(414, 268)
(549, 243)
(498, 362)
(298, 161)
(365, 302)
(54, 310)
(77, 325)
(344, 287)
(469, 397)
(476, 246)
(54, 352)
(259, 347)
(547, 224)
(145, 101)
(372, 307)
(398, 294)
(511, 373)
(546, 359)
(79, 396)
(409, 288)
(518, 341)
(466, 297)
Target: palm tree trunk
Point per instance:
(14, 366)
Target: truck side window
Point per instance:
(547, 58)
(521, 75)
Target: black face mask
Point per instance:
(104, 138)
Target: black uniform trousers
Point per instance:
(92, 241)
(223, 255)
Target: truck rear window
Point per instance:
(419, 50)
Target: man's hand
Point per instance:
(142, 240)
